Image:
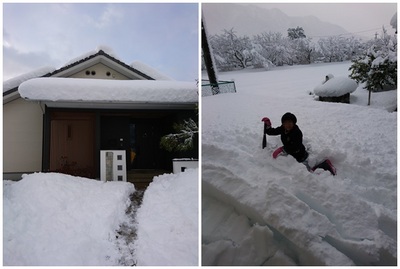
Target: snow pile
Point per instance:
(262, 211)
(16, 81)
(145, 69)
(102, 90)
(55, 219)
(168, 221)
(335, 86)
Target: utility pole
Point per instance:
(208, 59)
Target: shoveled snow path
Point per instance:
(287, 215)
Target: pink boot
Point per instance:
(277, 152)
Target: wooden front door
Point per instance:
(72, 143)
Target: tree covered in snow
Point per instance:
(302, 48)
(234, 50)
(303, 51)
(296, 33)
(338, 48)
(183, 138)
(275, 49)
(258, 59)
(377, 68)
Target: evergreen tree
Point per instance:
(183, 138)
(296, 33)
(378, 67)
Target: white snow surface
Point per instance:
(56, 219)
(85, 55)
(168, 226)
(150, 71)
(102, 90)
(336, 86)
(257, 210)
(16, 81)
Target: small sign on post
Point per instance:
(113, 165)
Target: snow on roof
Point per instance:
(106, 49)
(113, 91)
(150, 71)
(16, 81)
(335, 87)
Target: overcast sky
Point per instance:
(362, 18)
(164, 36)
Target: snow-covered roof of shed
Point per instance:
(16, 81)
(335, 87)
(110, 91)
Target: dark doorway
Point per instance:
(72, 146)
(140, 138)
(147, 144)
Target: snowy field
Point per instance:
(257, 210)
(55, 219)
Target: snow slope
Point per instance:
(55, 219)
(167, 231)
(257, 210)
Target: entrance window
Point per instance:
(132, 143)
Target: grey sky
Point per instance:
(363, 18)
(164, 36)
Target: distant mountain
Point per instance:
(251, 19)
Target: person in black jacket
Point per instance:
(292, 140)
(291, 136)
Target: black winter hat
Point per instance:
(289, 116)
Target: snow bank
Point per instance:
(336, 86)
(99, 90)
(56, 219)
(15, 82)
(167, 232)
(263, 211)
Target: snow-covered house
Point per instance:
(60, 119)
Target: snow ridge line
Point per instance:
(341, 240)
(310, 248)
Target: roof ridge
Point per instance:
(103, 53)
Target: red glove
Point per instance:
(266, 121)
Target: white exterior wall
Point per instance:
(22, 136)
(100, 73)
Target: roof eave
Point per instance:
(10, 96)
(117, 105)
